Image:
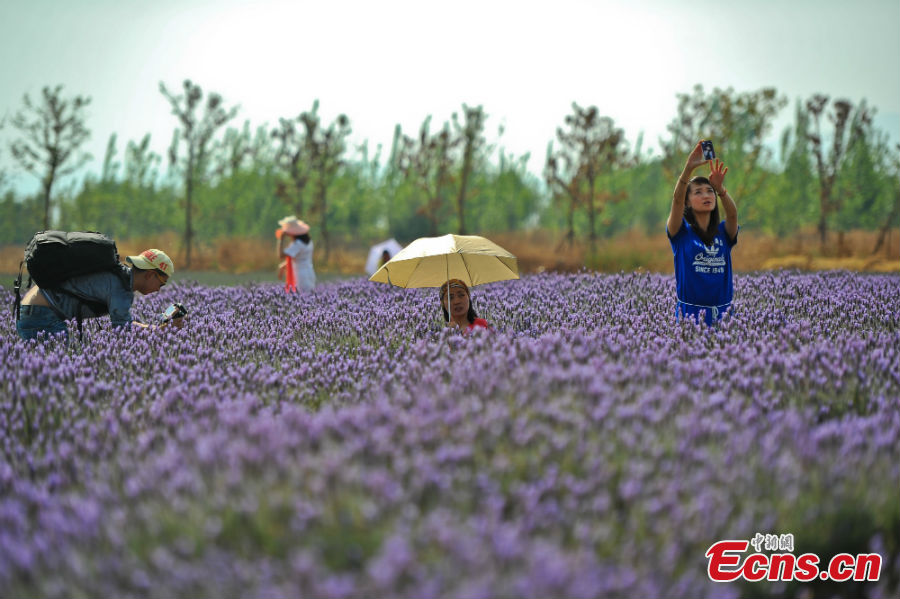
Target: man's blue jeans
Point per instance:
(34, 319)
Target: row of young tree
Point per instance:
(833, 170)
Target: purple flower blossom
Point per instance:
(349, 445)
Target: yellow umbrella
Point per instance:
(432, 261)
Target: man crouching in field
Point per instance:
(95, 295)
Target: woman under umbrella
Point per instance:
(456, 303)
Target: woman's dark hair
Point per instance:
(709, 235)
(304, 238)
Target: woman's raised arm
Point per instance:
(717, 173)
(695, 159)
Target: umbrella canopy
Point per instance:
(431, 261)
(372, 262)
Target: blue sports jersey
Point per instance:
(702, 272)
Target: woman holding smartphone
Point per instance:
(701, 243)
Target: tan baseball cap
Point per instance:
(153, 259)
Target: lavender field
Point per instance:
(343, 444)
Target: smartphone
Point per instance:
(176, 310)
(708, 152)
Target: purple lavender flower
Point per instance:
(349, 445)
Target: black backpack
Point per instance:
(52, 257)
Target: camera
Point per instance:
(174, 311)
(708, 152)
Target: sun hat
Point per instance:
(153, 259)
(292, 226)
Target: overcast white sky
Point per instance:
(394, 61)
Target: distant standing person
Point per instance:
(461, 313)
(385, 258)
(296, 247)
(701, 244)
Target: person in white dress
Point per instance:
(296, 248)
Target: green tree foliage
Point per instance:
(470, 134)
(110, 166)
(738, 124)
(891, 219)
(51, 131)
(452, 179)
(848, 130)
(424, 174)
(389, 184)
(427, 163)
(863, 183)
(292, 158)
(311, 156)
(591, 147)
(253, 212)
(509, 197)
(326, 147)
(119, 205)
(788, 198)
(3, 175)
(19, 218)
(232, 198)
(361, 195)
(141, 164)
(649, 194)
(196, 135)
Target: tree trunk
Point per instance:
(885, 232)
(432, 226)
(47, 205)
(460, 202)
(592, 237)
(461, 198)
(825, 207)
(323, 219)
(592, 218)
(48, 186)
(823, 219)
(298, 205)
(569, 237)
(188, 229)
(436, 205)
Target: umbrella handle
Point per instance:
(447, 264)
